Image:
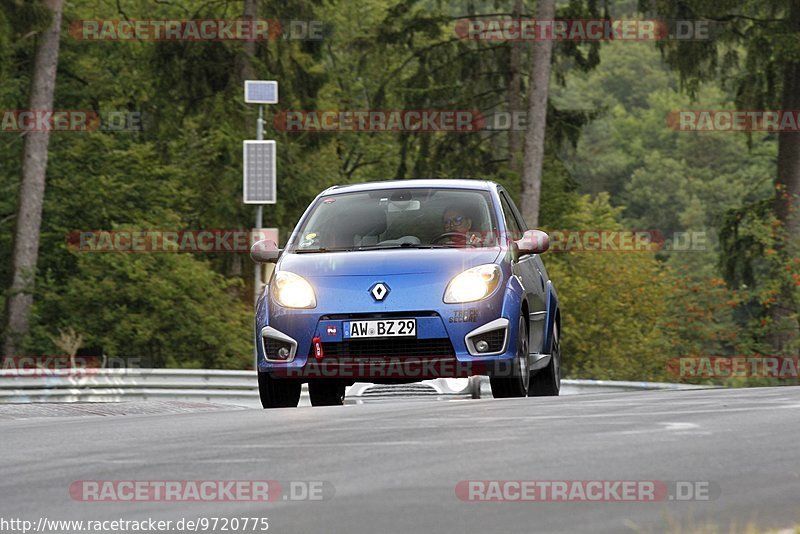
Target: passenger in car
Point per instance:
(455, 220)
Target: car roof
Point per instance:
(480, 185)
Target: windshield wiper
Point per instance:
(387, 247)
(321, 249)
(406, 245)
(374, 247)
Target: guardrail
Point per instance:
(237, 387)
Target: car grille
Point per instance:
(388, 348)
(389, 361)
(374, 315)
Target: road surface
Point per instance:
(394, 466)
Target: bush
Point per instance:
(611, 304)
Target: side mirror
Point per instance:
(265, 251)
(533, 242)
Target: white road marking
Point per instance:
(719, 411)
(679, 426)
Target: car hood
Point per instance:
(442, 262)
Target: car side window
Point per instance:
(517, 214)
(512, 226)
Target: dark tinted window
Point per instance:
(512, 226)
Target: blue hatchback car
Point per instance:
(402, 281)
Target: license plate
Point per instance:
(383, 328)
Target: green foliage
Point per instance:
(161, 309)
(753, 49)
(749, 46)
(765, 279)
(612, 303)
(671, 182)
(700, 319)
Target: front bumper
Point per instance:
(316, 346)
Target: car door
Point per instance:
(529, 269)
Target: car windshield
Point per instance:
(397, 218)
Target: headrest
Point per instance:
(365, 220)
(360, 221)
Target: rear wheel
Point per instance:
(326, 392)
(515, 385)
(277, 392)
(547, 382)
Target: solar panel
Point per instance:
(259, 172)
(260, 92)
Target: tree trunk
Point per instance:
(31, 191)
(537, 118)
(245, 60)
(787, 202)
(515, 96)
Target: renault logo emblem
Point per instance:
(379, 291)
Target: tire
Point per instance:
(326, 392)
(278, 393)
(517, 384)
(547, 382)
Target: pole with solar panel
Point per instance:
(259, 158)
(259, 164)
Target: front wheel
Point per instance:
(515, 385)
(326, 392)
(277, 392)
(547, 382)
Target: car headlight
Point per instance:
(473, 284)
(293, 291)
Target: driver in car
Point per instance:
(456, 221)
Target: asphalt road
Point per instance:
(394, 467)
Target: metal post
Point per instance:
(259, 224)
(259, 266)
(260, 207)
(259, 92)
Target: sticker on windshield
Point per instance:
(308, 240)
